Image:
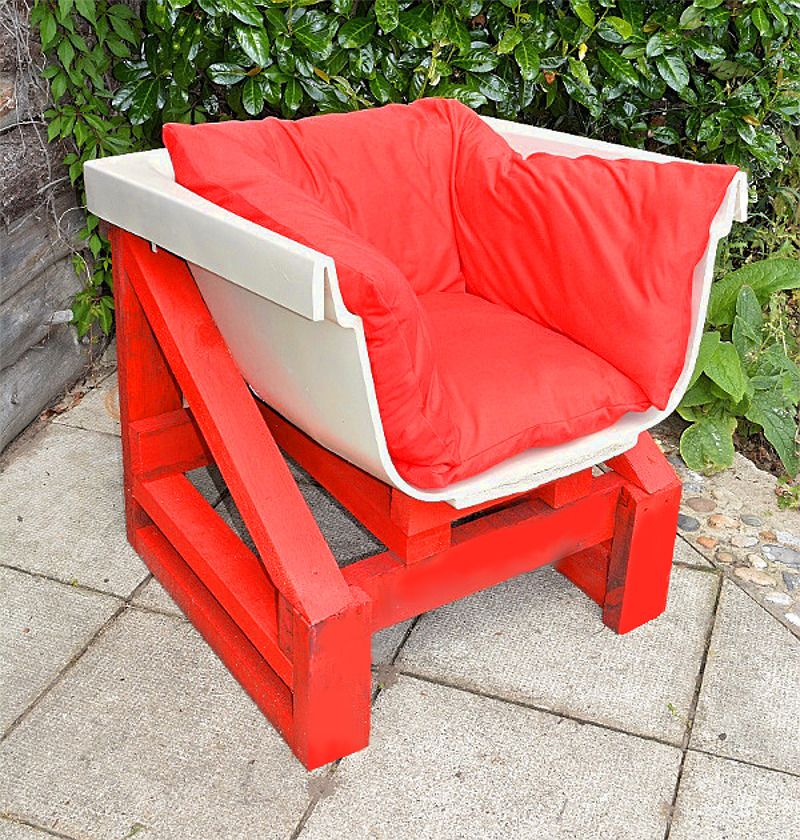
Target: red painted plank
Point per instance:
(167, 443)
(486, 552)
(230, 571)
(266, 688)
(645, 466)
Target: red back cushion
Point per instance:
(602, 251)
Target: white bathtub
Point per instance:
(278, 305)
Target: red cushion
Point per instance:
(426, 198)
(514, 384)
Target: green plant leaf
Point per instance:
(673, 70)
(255, 43)
(252, 96)
(292, 95)
(725, 369)
(510, 39)
(584, 11)
(708, 347)
(387, 13)
(356, 32)
(779, 422)
(580, 71)
(617, 67)
(527, 57)
(765, 277)
(243, 10)
(707, 445)
(225, 73)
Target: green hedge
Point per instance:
(714, 80)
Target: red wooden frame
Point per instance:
(291, 626)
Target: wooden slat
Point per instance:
(230, 571)
(227, 640)
(167, 443)
(485, 552)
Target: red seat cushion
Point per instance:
(588, 264)
(514, 384)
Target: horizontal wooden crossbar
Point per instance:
(230, 571)
(485, 552)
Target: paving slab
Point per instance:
(447, 764)
(43, 624)
(688, 555)
(63, 514)
(97, 411)
(537, 639)
(749, 706)
(149, 733)
(720, 799)
(10, 830)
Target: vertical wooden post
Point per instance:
(146, 385)
(644, 537)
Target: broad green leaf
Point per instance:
(708, 4)
(243, 10)
(312, 32)
(527, 57)
(47, 30)
(617, 67)
(584, 11)
(292, 95)
(761, 21)
(779, 423)
(225, 73)
(673, 71)
(387, 13)
(580, 71)
(748, 308)
(622, 26)
(510, 39)
(708, 347)
(699, 394)
(255, 43)
(86, 8)
(725, 369)
(413, 28)
(707, 445)
(765, 277)
(252, 96)
(356, 32)
(143, 102)
(691, 18)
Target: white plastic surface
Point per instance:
(278, 305)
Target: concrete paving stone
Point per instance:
(10, 830)
(537, 639)
(43, 624)
(689, 556)
(719, 799)
(447, 764)
(63, 512)
(749, 704)
(149, 733)
(98, 410)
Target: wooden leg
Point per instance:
(644, 538)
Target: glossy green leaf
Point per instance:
(765, 277)
(387, 13)
(707, 445)
(527, 57)
(673, 70)
(617, 67)
(356, 32)
(725, 369)
(252, 96)
(255, 43)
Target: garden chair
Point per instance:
(461, 327)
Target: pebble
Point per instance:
(753, 521)
(793, 618)
(782, 554)
(708, 542)
(780, 599)
(757, 561)
(791, 581)
(701, 505)
(688, 523)
(692, 488)
(725, 557)
(754, 576)
(743, 541)
(788, 539)
(719, 520)
(727, 498)
(767, 536)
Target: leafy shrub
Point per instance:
(714, 80)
